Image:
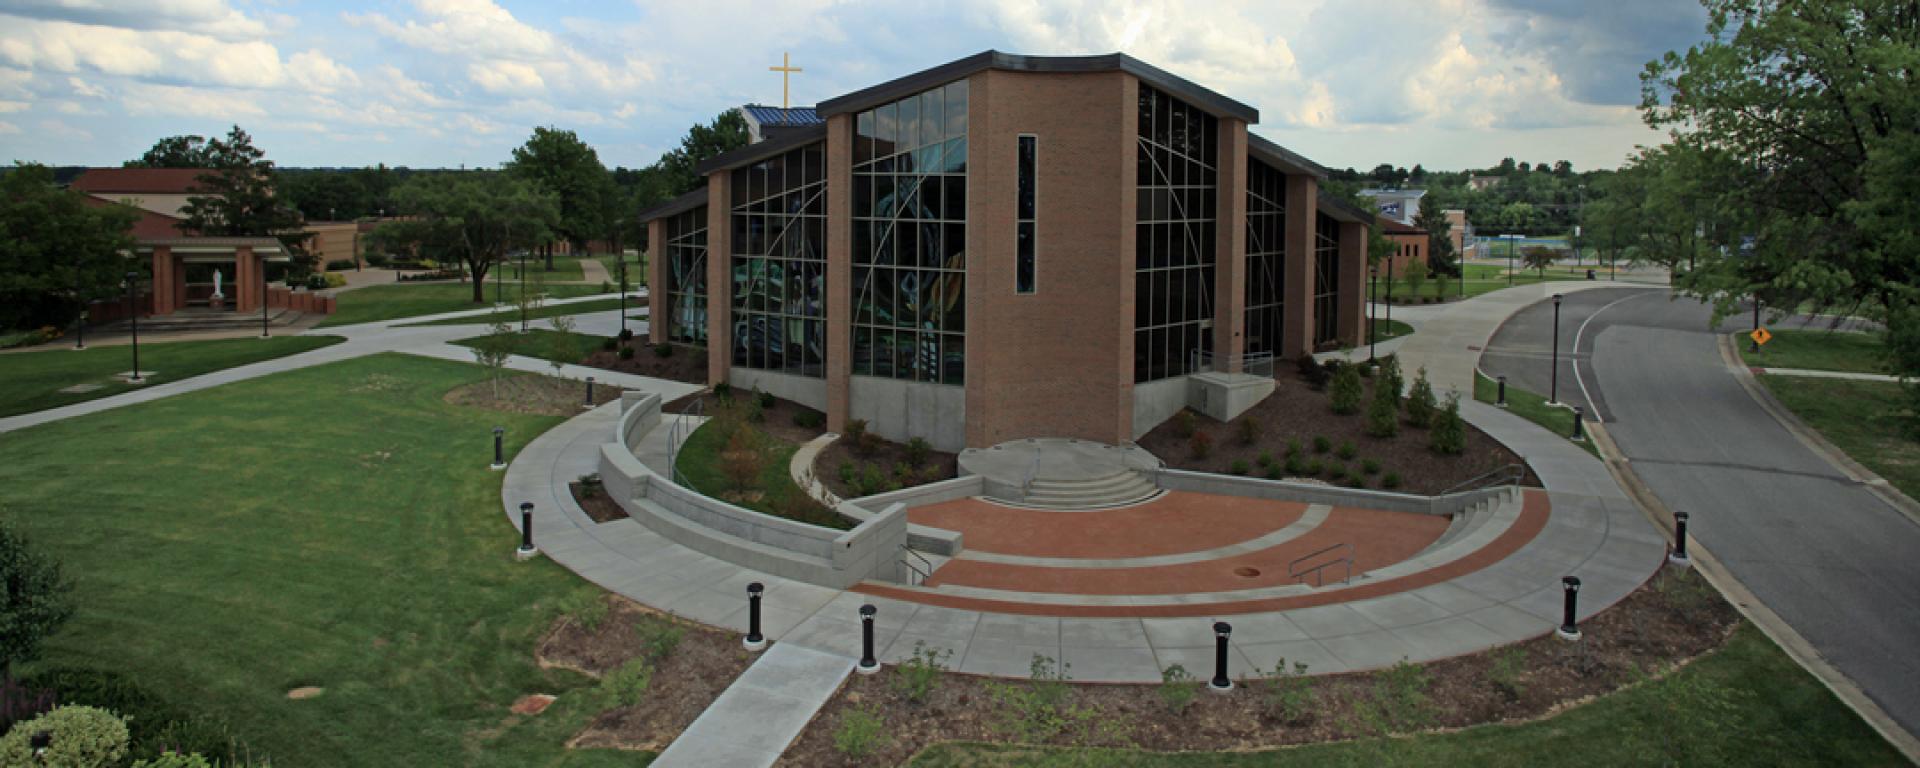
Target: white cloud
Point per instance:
(188, 101)
(625, 111)
(148, 54)
(505, 55)
(210, 17)
(12, 106)
(314, 70)
(84, 88)
(6, 128)
(505, 76)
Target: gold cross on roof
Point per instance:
(786, 70)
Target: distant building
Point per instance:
(1459, 229)
(1412, 250)
(1481, 183)
(765, 123)
(1401, 205)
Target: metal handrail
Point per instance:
(923, 559)
(1513, 474)
(1256, 364)
(1294, 573)
(1033, 471)
(678, 433)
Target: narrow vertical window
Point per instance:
(1023, 268)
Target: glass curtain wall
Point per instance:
(779, 263)
(1174, 239)
(1266, 257)
(1326, 277)
(910, 237)
(686, 251)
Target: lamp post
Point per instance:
(620, 258)
(1510, 242)
(523, 293)
(1756, 323)
(1553, 395)
(80, 333)
(1373, 312)
(133, 314)
(263, 299)
(1389, 292)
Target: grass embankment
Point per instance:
(335, 526)
(1388, 329)
(1747, 704)
(1817, 350)
(1532, 407)
(388, 302)
(1870, 420)
(571, 348)
(31, 381)
(511, 314)
(703, 462)
(1481, 278)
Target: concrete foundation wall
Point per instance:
(902, 410)
(939, 541)
(1156, 401)
(1224, 396)
(804, 390)
(639, 414)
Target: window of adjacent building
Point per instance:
(1023, 265)
(910, 237)
(1326, 277)
(779, 263)
(1174, 237)
(686, 252)
(1266, 257)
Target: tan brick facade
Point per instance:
(659, 305)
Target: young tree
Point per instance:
(57, 250)
(1346, 390)
(1537, 258)
(1420, 401)
(1449, 434)
(569, 169)
(1383, 412)
(1440, 256)
(742, 459)
(493, 349)
(187, 151)
(562, 345)
(35, 602)
(473, 218)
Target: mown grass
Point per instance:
(1817, 350)
(335, 526)
(31, 381)
(511, 314)
(699, 462)
(1747, 704)
(1871, 420)
(1530, 406)
(388, 302)
(547, 344)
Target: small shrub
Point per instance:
(625, 353)
(856, 434)
(1345, 391)
(625, 686)
(1390, 379)
(336, 265)
(1337, 471)
(1383, 417)
(1289, 694)
(742, 460)
(1370, 466)
(847, 473)
(917, 452)
(1295, 465)
(1321, 444)
(808, 418)
(1200, 445)
(1037, 710)
(659, 637)
(1248, 429)
(83, 737)
(585, 607)
(916, 677)
(609, 344)
(1421, 404)
(1505, 672)
(1275, 472)
(1314, 468)
(1313, 372)
(1266, 459)
(1239, 467)
(1390, 481)
(862, 731)
(1449, 434)
(1184, 424)
(765, 399)
(1346, 451)
(626, 334)
(663, 350)
(723, 390)
(1177, 688)
(175, 760)
(1293, 448)
(1401, 692)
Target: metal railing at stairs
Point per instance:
(1511, 474)
(1298, 574)
(678, 433)
(912, 570)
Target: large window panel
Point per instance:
(1174, 237)
(778, 263)
(1326, 278)
(1266, 257)
(686, 254)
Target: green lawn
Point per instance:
(388, 302)
(1388, 329)
(699, 462)
(1531, 407)
(1867, 419)
(1817, 350)
(542, 342)
(1748, 704)
(334, 526)
(636, 269)
(512, 314)
(31, 381)
(1481, 278)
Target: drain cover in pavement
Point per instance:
(1245, 572)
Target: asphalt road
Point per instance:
(1829, 557)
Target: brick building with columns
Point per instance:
(1006, 246)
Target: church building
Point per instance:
(1004, 247)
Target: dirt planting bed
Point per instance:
(889, 464)
(685, 364)
(532, 393)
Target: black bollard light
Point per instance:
(868, 664)
(589, 402)
(526, 531)
(1220, 682)
(1679, 555)
(499, 449)
(1569, 626)
(754, 641)
(1501, 400)
(80, 333)
(1579, 427)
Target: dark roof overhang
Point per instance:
(1283, 159)
(678, 205)
(753, 153)
(1340, 209)
(1179, 87)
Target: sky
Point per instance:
(1449, 84)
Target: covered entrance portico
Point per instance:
(242, 262)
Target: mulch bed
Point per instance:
(1668, 621)
(891, 457)
(684, 684)
(532, 393)
(1297, 412)
(779, 417)
(596, 503)
(685, 364)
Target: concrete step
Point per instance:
(1119, 489)
(210, 321)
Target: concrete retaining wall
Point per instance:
(806, 391)
(1311, 493)
(925, 538)
(903, 410)
(639, 414)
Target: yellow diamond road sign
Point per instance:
(1760, 336)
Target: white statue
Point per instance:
(216, 285)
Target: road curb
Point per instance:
(1796, 646)
(1812, 438)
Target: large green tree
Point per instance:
(727, 131)
(238, 198)
(473, 217)
(34, 599)
(1440, 255)
(568, 168)
(186, 151)
(56, 249)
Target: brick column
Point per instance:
(165, 275)
(719, 276)
(659, 306)
(246, 280)
(839, 269)
(1350, 308)
(1296, 324)
(1230, 249)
